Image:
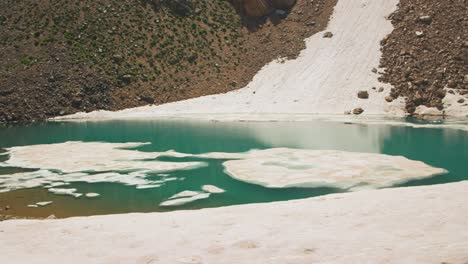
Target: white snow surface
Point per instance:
(324, 79)
(402, 225)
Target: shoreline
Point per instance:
(430, 229)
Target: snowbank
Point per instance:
(405, 225)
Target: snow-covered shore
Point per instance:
(405, 225)
(324, 79)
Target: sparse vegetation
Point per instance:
(135, 48)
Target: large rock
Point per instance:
(282, 4)
(180, 7)
(259, 8)
(256, 8)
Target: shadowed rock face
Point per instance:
(179, 7)
(258, 8)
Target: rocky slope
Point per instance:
(61, 57)
(427, 52)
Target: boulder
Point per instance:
(259, 8)
(327, 35)
(180, 7)
(358, 111)
(283, 4)
(363, 94)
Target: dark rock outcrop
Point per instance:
(259, 8)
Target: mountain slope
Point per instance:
(61, 57)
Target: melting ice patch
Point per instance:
(212, 189)
(63, 163)
(184, 198)
(60, 164)
(282, 167)
(78, 156)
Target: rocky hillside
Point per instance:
(61, 57)
(427, 52)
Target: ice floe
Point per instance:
(184, 194)
(184, 197)
(39, 204)
(78, 156)
(282, 167)
(185, 200)
(92, 195)
(63, 191)
(44, 203)
(212, 189)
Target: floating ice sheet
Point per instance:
(64, 163)
(282, 167)
(45, 203)
(186, 198)
(78, 156)
(212, 189)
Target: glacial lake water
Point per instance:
(445, 148)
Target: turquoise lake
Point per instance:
(439, 147)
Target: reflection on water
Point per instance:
(443, 148)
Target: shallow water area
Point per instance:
(89, 168)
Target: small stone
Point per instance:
(310, 24)
(92, 195)
(147, 99)
(381, 89)
(389, 99)
(358, 111)
(7, 207)
(233, 83)
(463, 92)
(363, 94)
(425, 20)
(419, 34)
(374, 70)
(328, 34)
(461, 101)
(465, 79)
(127, 78)
(117, 58)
